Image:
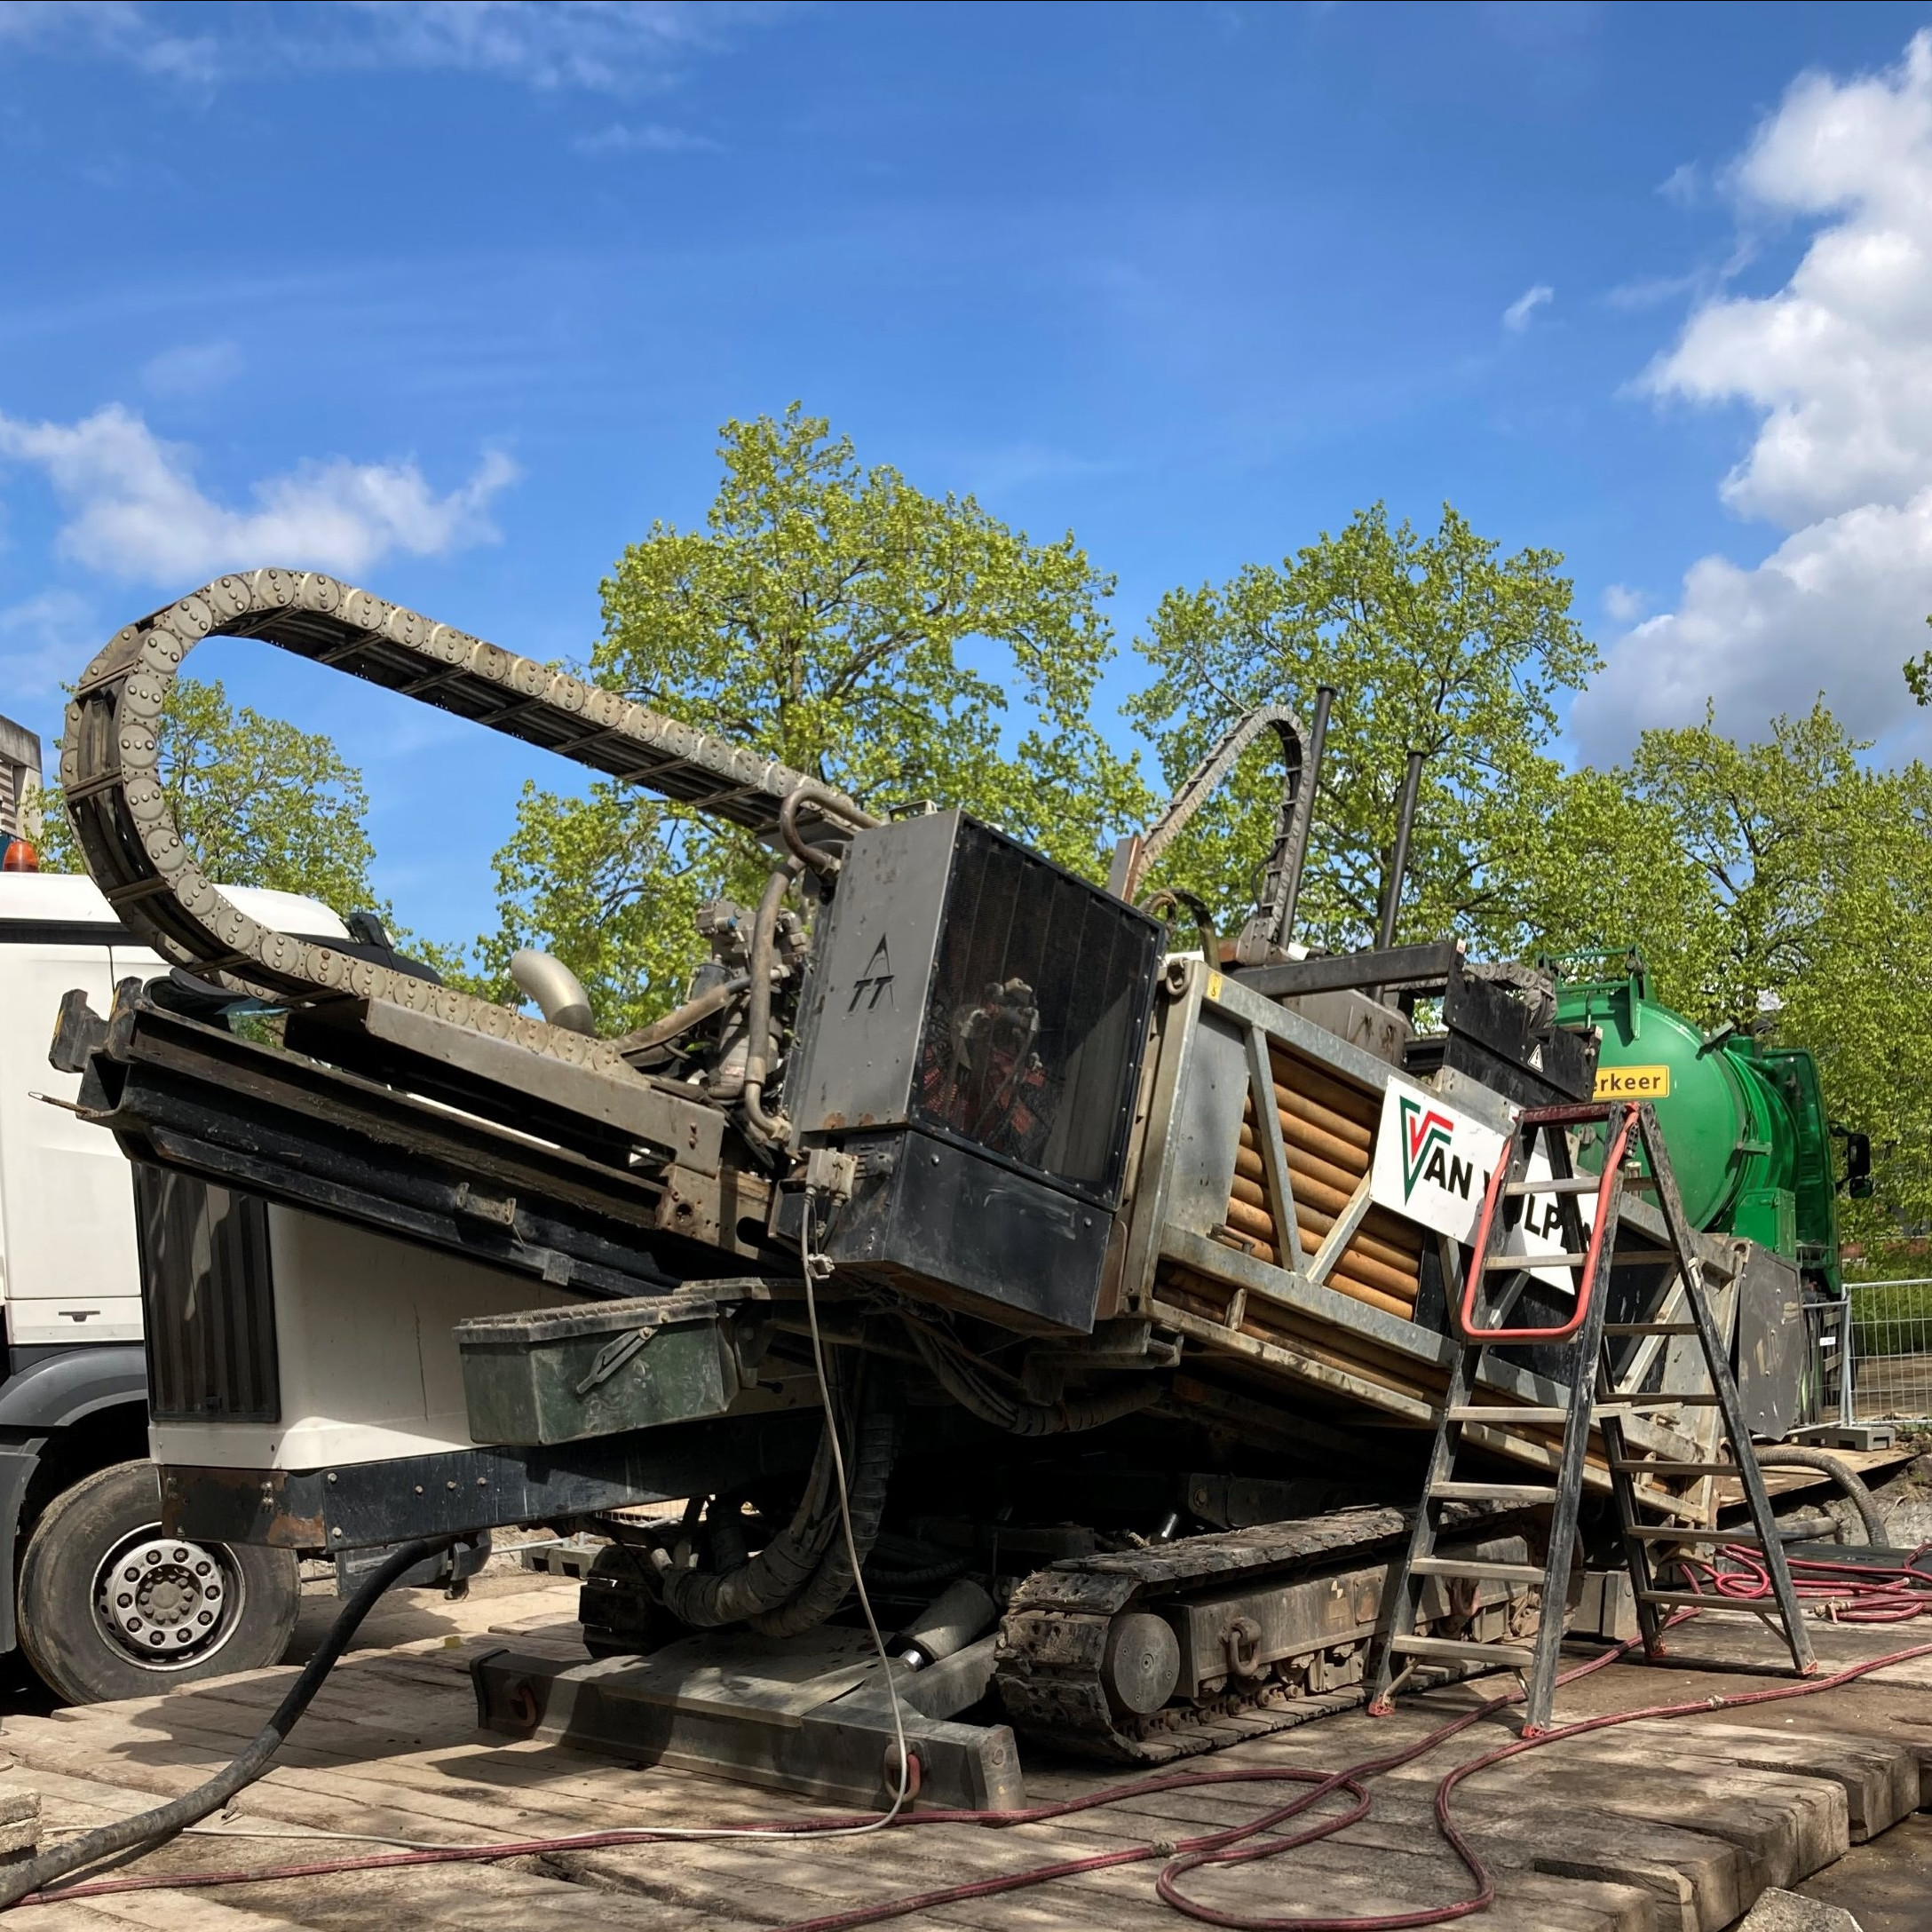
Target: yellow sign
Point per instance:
(1633, 1082)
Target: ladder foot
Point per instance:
(1530, 1731)
(1382, 1706)
(1810, 1669)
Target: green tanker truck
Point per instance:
(1745, 1122)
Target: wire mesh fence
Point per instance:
(1888, 1330)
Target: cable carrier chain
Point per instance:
(1142, 1270)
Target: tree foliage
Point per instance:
(1436, 643)
(834, 617)
(261, 802)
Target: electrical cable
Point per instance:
(816, 1267)
(150, 1830)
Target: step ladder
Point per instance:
(1480, 1317)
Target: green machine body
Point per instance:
(1744, 1121)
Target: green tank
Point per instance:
(1745, 1122)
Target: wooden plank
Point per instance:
(1695, 1879)
(1785, 1827)
(1880, 1781)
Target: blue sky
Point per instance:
(452, 300)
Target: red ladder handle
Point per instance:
(1491, 1196)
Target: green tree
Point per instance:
(1784, 883)
(1435, 643)
(261, 802)
(1918, 674)
(834, 617)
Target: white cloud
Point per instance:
(1515, 318)
(192, 370)
(110, 29)
(654, 137)
(606, 46)
(1683, 184)
(44, 639)
(1623, 604)
(136, 510)
(1838, 364)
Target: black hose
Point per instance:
(150, 1830)
(660, 1032)
(802, 1575)
(878, 1449)
(1015, 1413)
(758, 1008)
(1790, 1456)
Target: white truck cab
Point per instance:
(100, 1602)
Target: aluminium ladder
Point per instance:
(1480, 1320)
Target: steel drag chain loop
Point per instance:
(109, 771)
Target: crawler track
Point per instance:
(1054, 1639)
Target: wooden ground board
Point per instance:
(1650, 1827)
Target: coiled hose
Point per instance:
(802, 1574)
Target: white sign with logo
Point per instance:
(1432, 1166)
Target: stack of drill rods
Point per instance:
(1327, 1136)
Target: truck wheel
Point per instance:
(109, 1607)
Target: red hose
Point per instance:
(1232, 1845)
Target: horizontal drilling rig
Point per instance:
(1123, 1274)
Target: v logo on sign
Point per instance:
(1423, 1132)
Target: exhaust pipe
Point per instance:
(557, 991)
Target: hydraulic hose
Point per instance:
(1791, 1456)
(151, 1829)
(1015, 1413)
(878, 1447)
(799, 1577)
(809, 792)
(768, 1127)
(660, 1032)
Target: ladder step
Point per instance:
(1518, 1262)
(1650, 1328)
(1634, 1467)
(1666, 1533)
(1648, 1401)
(1493, 1493)
(1471, 1566)
(1710, 1600)
(1589, 1183)
(1654, 1499)
(1515, 1656)
(1643, 1257)
(1496, 1412)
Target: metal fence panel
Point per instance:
(1890, 1338)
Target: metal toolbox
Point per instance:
(601, 1368)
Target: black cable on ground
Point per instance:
(151, 1829)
